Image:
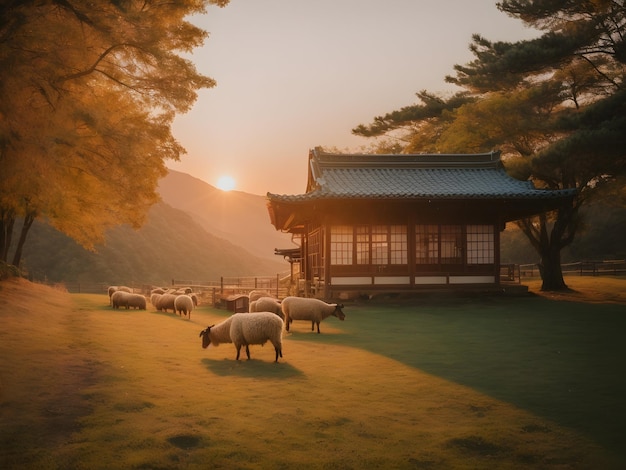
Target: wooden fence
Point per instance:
(215, 292)
(581, 268)
(218, 292)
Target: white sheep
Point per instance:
(136, 301)
(157, 290)
(154, 298)
(257, 294)
(244, 329)
(111, 290)
(128, 300)
(117, 298)
(165, 302)
(315, 310)
(183, 304)
(266, 304)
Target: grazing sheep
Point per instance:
(183, 304)
(136, 301)
(267, 304)
(244, 329)
(257, 294)
(157, 290)
(165, 302)
(118, 298)
(111, 290)
(128, 300)
(315, 310)
(154, 298)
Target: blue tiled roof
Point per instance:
(476, 176)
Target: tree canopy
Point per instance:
(88, 92)
(555, 105)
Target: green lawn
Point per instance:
(559, 360)
(428, 383)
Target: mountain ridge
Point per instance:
(185, 242)
(239, 217)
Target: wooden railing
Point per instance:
(278, 286)
(581, 268)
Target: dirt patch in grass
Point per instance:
(86, 387)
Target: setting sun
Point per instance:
(226, 183)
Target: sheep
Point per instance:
(157, 290)
(165, 302)
(299, 308)
(257, 294)
(111, 290)
(137, 301)
(183, 304)
(118, 298)
(154, 298)
(266, 304)
(127, 300)
(194, 297)
(244, 329)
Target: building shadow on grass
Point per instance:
(257, 368)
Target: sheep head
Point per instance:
(206, 337)
(338, 312)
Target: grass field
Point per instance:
(429, 383)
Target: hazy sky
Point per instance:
(294, 74)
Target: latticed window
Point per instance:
(398, 244)
(315, 252)
(380, 245)
(341, 244)
(451, 244)
(427, 244)
(480, 244)
(362, 244)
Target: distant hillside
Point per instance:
(239, 217)
(170, 245)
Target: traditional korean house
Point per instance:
(396, 223)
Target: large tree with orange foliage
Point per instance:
(88, 93)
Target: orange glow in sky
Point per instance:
(292, 75)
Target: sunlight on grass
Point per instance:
(469, 383)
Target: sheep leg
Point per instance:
(278, 352)
(247, 352)
(318, 328)
(238, 351)
(313, 325)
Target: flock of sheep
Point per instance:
(263, 322)
(181, 301)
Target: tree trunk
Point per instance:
(550, 268)
(28, 221)
(549, 243)
(7, 219)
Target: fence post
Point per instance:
(222, 285)
(277, 284)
